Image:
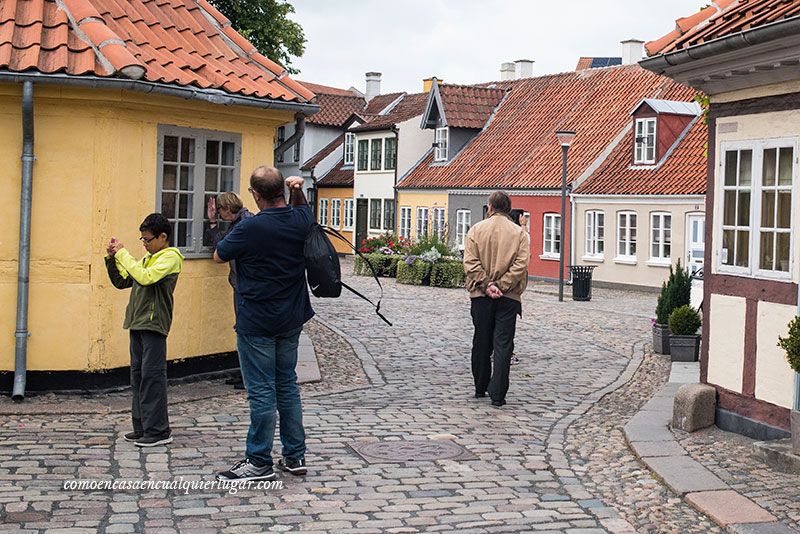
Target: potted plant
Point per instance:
(791, 344)
(675, 292)
(684, 342)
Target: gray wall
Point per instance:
(455, 202)
(459, 137)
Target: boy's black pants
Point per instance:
(495, 322)
(149, 383)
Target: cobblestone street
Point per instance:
(552, 460)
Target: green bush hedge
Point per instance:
(448, 274)
(414, 274)
(384, 264)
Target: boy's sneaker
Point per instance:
(153, 441)
(245, 470)
(133, 436)
(295, 467)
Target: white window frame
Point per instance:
(641, 148)
(753, 269)
(549, 242)
(372, 152)
(594, 245)
(629, 244)
(323, 211)
(463, 224)
(658, 226)
(438, 222)
(371, 213)
(405, 222)
(336, 211)
(422, 216)
(442, 140)
(349, 148)
(349, 210)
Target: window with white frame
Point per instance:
(388, 214)
(363, 154)
(336, 210)
(349, 207)
(552, 235)
(280, 137)
(463, 223)
(439, 222)
(442, 137)
(376, 154)
(645, 142)
(422, 222)
(626, 235)
(758, 179)
(595, 234)
(349, 147)
(374, 214)
(405, 222)
(193, 166)
(323, 211)
(391, 153)
(660, 237)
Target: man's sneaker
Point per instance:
(295, 467)
(133, 436)
(153, 441)
(245, 470)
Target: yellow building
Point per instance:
(422, 212)
(111, 146)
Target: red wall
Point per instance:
(537, 206)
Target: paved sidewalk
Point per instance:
(396, 441)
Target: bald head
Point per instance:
(268, 183)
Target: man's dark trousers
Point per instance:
(495, 322)
(149, 383)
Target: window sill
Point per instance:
(658, 263)
(625, 260)
(550, 257)
(594, 259)
(757, 275)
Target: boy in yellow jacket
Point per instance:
(148, 317)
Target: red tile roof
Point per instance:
(467, 106)
(179, 42)
(322, 154)
(682, 173)
(721, 19)
(518, 149)
(319, 89)
(411, 106)
(334, 110)
(584, 63)
(338, 177)
(380, 102)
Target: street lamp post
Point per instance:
(565, 139)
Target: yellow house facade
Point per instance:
(336, 209)
(421, 212)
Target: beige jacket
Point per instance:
(497, 251)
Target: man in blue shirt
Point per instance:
(273, 306)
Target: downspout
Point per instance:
(571, 231)
(299, 130)
(21, 333)
(316, 194)
(396, 133)
(797, 375)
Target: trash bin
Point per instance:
(581, 281)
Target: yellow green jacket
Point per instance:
(153, 281)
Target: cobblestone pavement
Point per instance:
(551, 460)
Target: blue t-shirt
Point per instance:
(271, 270)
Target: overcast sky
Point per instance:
(464, 41)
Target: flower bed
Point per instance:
(384, 264)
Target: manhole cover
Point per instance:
(411, 451)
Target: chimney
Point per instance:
(632, 51)
(508, 71)
(524, 68)
(373, 85)
(428, 82)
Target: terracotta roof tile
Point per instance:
(338, 177)
(319, 89)
(518, 148)
(583, 63)
(322, 154)
(409, 107)
(335, 109)
(381, 102)
(168, 41)
(721, 19)
(467, 106)
(682, 173)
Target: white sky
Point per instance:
(464, 41)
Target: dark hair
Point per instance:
(156, 224)
(500, 202)
(268, 182)
(516, 216)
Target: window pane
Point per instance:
(187, 150)
(746, 167)
(767, 209)
(782, 252)
(743, 218)
(184, 206)
(785, 170)
(363, 155)
(187, 178)
(168, 205)
(727, 247)
(667, 250)
(742, 248)
(729, 210)
(667, 221)
(170, 178)
(212, 152)
(784, 209)
(767, 251)
(730, 167)
(227, 180)
(376, 148)
(632, 219)
(170, 148)
(228, 153)
(770, 163)
(211, 178)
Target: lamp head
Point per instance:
(565, 137)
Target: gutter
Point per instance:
(737, 41)
(211, 96)
(299, 130)
(21, 334)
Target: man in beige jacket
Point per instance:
(496, 262)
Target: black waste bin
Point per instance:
(581, 281)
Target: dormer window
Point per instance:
(645, 142)
(440, 142)
(349, 148)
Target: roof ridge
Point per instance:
(110, 49)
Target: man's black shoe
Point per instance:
(153, 441)
(499, 403)
(479, 395)
(295, 467)
(133, 436)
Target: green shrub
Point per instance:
(791, 344)
(384, 264)
(684, 321)
(447, 274)
(675, 292)
(414, 274)
(427, 242)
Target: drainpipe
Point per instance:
(21, 333)
(396, 133)
(316, 194)
(571, 230)
(797, 375)
(299, 130)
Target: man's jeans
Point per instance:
(268, 368)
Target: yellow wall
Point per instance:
(423, 199)
(341, 193)
(94, 177)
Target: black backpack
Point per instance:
(323, 270)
